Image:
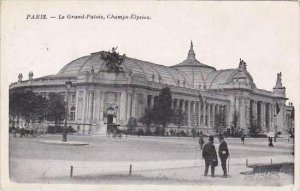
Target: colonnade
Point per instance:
(199, 114)
(265, 114)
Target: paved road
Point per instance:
(136, 148)
(154, 159)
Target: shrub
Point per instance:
(140, 132)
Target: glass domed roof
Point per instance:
(166, 75)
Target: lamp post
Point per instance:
(116, 107)
(65, 129)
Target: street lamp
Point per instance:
(65, 129)
(116, 107)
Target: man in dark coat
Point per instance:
(210, 156)
(223, 154)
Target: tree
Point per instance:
(179, 118)
(55, 108)
(235, 123)
(147, 118)
(219, 124)
(15, 105)
(162, 109)
(29, 105)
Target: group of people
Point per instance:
(210, 155)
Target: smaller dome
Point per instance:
(192, 61)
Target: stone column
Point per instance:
(194, 113)
(199, 114)
(129, 105)
(85, 109)
(90, 106)
(96, 106)
(280, 119)
(79, 105)
(237, 104)
(204, 114)
(152, 101)
(118, 109)
(213, 113)
(254, 108)
(208, 114)
(134, 104)
(101, 99)
(269, 116)
(242, 114)
(122, 107)
(230, 109)
(145, 101)
(226, 118)
(183, 105)
(189, 112)
(262, 116)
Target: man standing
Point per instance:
(210, 156)
(223, 154)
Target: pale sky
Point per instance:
(264, 34)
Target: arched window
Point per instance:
(72, 113)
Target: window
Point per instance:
(72, 113)
(110, 97)
(73, 98)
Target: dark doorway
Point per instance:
(110, 119)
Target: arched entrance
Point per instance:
(110, 114)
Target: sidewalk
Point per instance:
(188, 171)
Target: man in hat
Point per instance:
(210, 156)
(223, 154)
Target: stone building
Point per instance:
(100, 96)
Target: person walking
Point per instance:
(201, 142)
(210, 156)
(223, 154)
(22, 130)
(243, 138)
(271, 142)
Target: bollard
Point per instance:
(246, 162)
(271, 161)
(71, 172)
(130, 169)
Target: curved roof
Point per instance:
(219, 77)
(166, 74)
(191, 72)
(192, 61)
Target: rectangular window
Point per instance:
(72, 116)
(73, 98)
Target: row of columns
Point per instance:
(90, 108)
(198, 113)
(265, 114)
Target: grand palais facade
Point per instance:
(99, 96)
